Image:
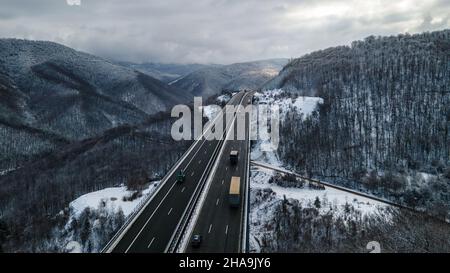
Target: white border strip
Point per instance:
(185, 240)
(124, 229)
(245, 229)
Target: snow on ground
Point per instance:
(265, 196)
(223, 98)
(113, 197)
(260, 180)
(268, 157)
(303, 105)
(73, 247)
(4, 172)
(262, 210)
(211, 111)
(306, 105)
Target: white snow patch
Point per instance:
(223, 98)
(113, 198)
(303, 105)
(211, 111)
(260, 179)
(427, 176)
(74, 247)
(306, 105)
(7, 171)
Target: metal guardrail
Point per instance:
(278, 169)
(245, 230)
(145, 201)
(381, 200)
(139, 208)
(182, 225)
(177, 243)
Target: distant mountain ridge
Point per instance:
(56, 85)
(167, 72)
(213, 80)
(51, 95)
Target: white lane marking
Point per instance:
(205, 150)
(203, 136)
(151, 242)
(223, 181)
(226, 230)
(207, 186)
(192, 158)
(170, 211)
(170, 189)
(226, 169)
(217, 202)
(192, 174)
(200, 161)
(148, 220)
(182, 190)
(210, 227)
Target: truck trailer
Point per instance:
(234, 196)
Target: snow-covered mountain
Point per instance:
(212, 80)
(51, 95)
(55, 88)
(385, 118)
(167, 72)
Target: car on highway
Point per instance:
(196, 241)
(181, 177)
(234, 155)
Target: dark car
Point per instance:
(181, 177)
(196, 241)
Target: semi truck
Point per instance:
(234, 155)
(234, 196)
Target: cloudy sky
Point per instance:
(214, 31)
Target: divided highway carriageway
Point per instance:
(163, 221)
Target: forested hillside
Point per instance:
(32, 196)
(72, 123)
(51, 95)
(385, 119)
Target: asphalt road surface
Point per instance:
(152, 229)
(218, 223)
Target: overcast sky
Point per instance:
(214, 31)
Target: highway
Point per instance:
(152, 229)
(221, 226)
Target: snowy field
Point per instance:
(113, 201)
(303, 105)
(265, 197)
(113, 197)
(211, 111)
(260, 180)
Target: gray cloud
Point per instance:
(214, 31)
